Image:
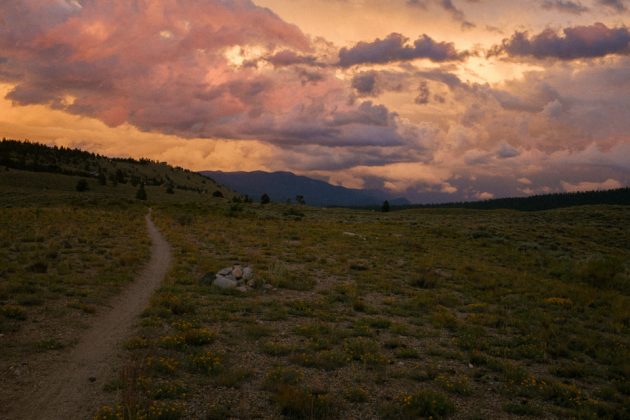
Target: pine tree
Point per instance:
(141, 194)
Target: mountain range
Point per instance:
(284, 186)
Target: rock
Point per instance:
(267, 286)
(447, 274)
(225, 271)
(208, 278)
(225, 282)
(251, 283)
(237, 272)
(243, 289)
(248, 273)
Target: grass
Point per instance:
(421, 308)
(59, 266)
(407, 314)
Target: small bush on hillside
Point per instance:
(141, 194)
(422, 404)
(603, 273)
(82, 185)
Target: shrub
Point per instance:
(13, 312)
(602, 272)
(264, 199)
(217, 194)
(299, 403)
(422, 404)
(141, 194)
(82, 185)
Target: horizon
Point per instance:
(428, 100)
(393, 197)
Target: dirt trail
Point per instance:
(70, 392)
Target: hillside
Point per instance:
(29, 161)
(284, 186)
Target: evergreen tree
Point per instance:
(385, 207)
(264, 199)
(141, 194)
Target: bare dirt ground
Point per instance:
(73, 388)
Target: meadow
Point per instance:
(422, 313)
(354, 314)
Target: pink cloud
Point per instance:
(180, 67)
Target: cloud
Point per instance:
(289, 58)
(506, 152)
(616, 5)
(447, 5)
(395, 48)
(424, 94)
(185, 68)
(566, 6)
(365, 83)
(593, 41)
(608, 184)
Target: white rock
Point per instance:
(237, 272)
(248, 273)
(225, 282)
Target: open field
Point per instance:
(355, 314)
(420, 313)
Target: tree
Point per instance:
(101, 178)
(217, 194)
(264, 199)
(141, 194)
(82, 185)
(385, 207)
(300, 199)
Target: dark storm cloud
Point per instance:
(289, 58)
(365, 83)
(395, 47)
(593, 41)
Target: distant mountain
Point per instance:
(283, 186)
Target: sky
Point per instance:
(434, 100)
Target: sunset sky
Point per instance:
(435, 100)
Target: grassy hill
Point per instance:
(354, 314)
(33, 166)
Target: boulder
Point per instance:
(225, 282)
(237, 272)
(225, 271)
(248, 274)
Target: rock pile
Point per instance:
(235, 277)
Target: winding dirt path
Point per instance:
(74, 389)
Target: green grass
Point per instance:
(415, 313)
(446, 303)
